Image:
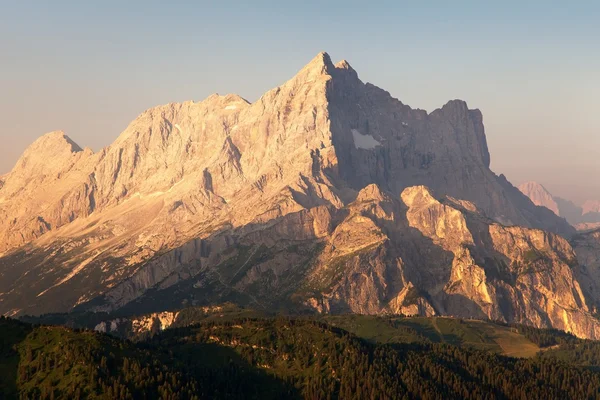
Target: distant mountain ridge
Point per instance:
(591, 206)
(583, 218)
(325, 195)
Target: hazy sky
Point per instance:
(532, 67)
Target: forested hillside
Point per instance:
(276, 358)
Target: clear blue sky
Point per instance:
(89, 67)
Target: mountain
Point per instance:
(325, 195)
(591, 215)
(583, 218)
(591, 206)
(540, 196)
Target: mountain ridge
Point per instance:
(584, 217)
(315, 196)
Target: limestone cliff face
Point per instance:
(310, 197)
(136, 326)
(380, 140)
(474, 266)
(414, 254)
(587, 248)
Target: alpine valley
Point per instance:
(325, 196)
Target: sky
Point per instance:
(532, 67)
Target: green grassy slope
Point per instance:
(471, 333)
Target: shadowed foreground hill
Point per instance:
(268, 358)
(58, 363)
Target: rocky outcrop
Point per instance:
(314, 196)
(48, 187)
(137, 326)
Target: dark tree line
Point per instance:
(275, 358)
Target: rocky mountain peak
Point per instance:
(343, 64)
(323, 172)
(320, 65)
(50, 154)
(57, 139)
(456, 107)
(48, 147)
(540, 196)
(345, 67)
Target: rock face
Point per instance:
(315, 196)
(134, 327)
(48, 187)
(475, 267)
(583, 218)
(587, 247)
(140, 327)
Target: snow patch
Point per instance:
(178, 128)
(364, 141)
(231, 107)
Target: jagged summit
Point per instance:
(321, 59)
(323, 124)
(320, 65)
(56, 141)
(343, 64)
(47, 154)
(540, 196)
